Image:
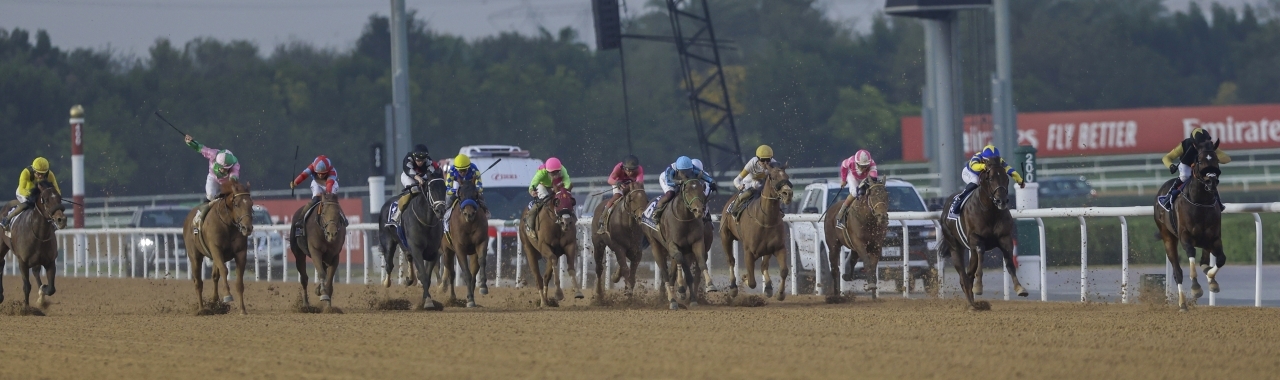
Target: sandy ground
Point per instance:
(112, 328)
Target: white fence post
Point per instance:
(1084, 260)
(1257, 268)
(1044, 262)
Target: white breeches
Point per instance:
(750, 183)
(543, 192)
(21, 199)
(317, 188)
(968, 176)
(1184, 172)
(406, 181)
(211, 187)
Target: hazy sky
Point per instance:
(131, 26)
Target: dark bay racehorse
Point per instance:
(622, 235)
(864, 228)
(555, 235)
(33, 242)
(423, 222)
(325, 232)
(223, 237)
(762, 233)
(468, 241)
(1195, 222)
(680, 237)
(984, 223)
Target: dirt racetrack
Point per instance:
(116, 329)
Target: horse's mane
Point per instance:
(232, 186)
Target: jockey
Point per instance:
(223, 165)
(859, 170)
(687, 170)
(30, 177)
(698, 164)
(749, 180)
(629, 170)
(324, 179)
(550, 180)
(416, 169)
(461, 170)
(970, 173)
(1179, 161)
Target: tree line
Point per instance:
(810, 86)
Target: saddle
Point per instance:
(647, 220)
(741, 206)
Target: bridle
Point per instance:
(689, 200)
(425, 189)
(239, 222)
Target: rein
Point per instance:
(777, 189)
(320, 220)
(688, 200)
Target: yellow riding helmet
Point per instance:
(764, 151)
(461, 162)
(41, 165)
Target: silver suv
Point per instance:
(922, 234)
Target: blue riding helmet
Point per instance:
(990, 152)
(684, 163)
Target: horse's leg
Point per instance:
(217, 281)
(482, 271)
(197, 266)
(871, 264)
(1190, 249)
(389, 249)
(1219, 258)
(240, 264)
(412, 278)
(726, 242)
(700, 254)
(660, 256)
(833, 259)
(300, 262)
(957, 261)
(553, 275)
(26, 283)
(468, 264)
(571, 252)
(422, 270)
(331, 271)
(1171, 253)
(781, 256)
(225, 274)
(597, 252)
(977, 272)
(449, 275)
(634, 258)
(1006, 247)
(764, 274)
(532, 257)
(50, 270)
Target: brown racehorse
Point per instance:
(622, 235)
(33, 242)
(703, 276)
(761, 232)
(983, 224)
(680, 236)
(223, 237)
(468, 241)
(324, 234)
(555, 235)
(865, 224)
(1198, 223)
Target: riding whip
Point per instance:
(166, 121)
(486, 170)
(295, 164)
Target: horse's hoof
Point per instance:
(693, 303)
(579, 295)
(977, 290)
(1022, 292)
(48, 290)
(1213, 286)
(484, 290)
(782, 296)
(680, 290)
(711, 289)
(386, 282)
(1196, 290)
(559, 295)
(768, 291)
(325, 298)
(227, 299)
(733, 291)
(847, 276)
(472, 304)
(675, 305)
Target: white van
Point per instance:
(923, 239)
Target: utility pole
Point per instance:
(400, 79)
(1003, 111)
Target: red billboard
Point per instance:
(1127, 131)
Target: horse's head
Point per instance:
(1206, 166)
(435, 191)
(634, 198)
(994, 182)
(693, 193)
(50, 204)
(877, 197)
(564, 203)
(468, 197)
(331, 216)
(777, 184)
(239, 203)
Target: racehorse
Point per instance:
(223, 237)
(468, 241)
(554, 235)
(32, 241)
(983, 224)
(1194, 222)
(423, 222)
(680, 237)
(761, 232)
(865, 224)
(324, 233)
(622, 235)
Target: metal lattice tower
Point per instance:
(699, 52)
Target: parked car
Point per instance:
(922, 234)
(1065, 187)
(269, 245)
(158, 251)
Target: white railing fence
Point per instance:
(159, 253)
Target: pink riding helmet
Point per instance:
(553, 164)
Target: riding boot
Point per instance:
(957, 202)
(201, 210)
(404, 200)
(740, 204)
(1166, 201)
(8, 219)
(844, 207)
(449, 199)
(662, 205)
